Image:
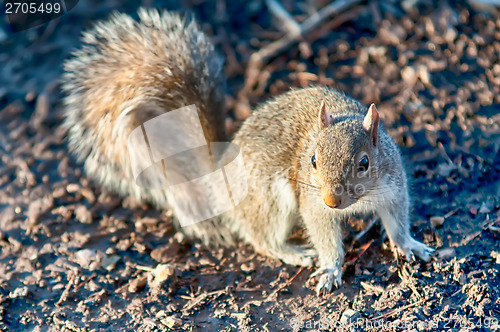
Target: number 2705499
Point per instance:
(32, 8)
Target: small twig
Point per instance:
(306, 27)
(458, 291)
(327, 11)
(407, 279)
(366, 229)
(86, 281)
(144, 268)
(364, 248)
(248, 289)
(334, 23)
(258, 59)
(470, 238)
(444, 154)
(449, 214)
(489, 225)
(291, 26)
(377, 16)
(286, 284)
(289, 282)
(400, 309)
(415, 291)
(362, 233)
(65, 293)
(51, 27)
(199, 299)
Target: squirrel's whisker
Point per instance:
(305, 183)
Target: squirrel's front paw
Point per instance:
(412, 247)
(327, 278)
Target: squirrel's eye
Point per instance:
(313, 161)
(364, 164)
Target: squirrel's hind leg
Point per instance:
(289, 254)
(270, 239)
(269, 229)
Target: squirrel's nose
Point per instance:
(332, 201)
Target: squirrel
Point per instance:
(313, 156)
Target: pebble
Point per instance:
(137, 284)
(20, 292)
(349, 316)
(437, 221)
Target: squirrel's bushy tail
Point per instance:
(128, 72)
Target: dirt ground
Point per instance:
(76, 258)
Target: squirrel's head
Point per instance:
(344, 163)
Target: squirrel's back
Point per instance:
(128, 72)
(287, 122)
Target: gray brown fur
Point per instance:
(277, 142)
(128, 72)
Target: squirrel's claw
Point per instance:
(412, 248)
(328, 278)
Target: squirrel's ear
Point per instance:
(325, 118)
(370, 123)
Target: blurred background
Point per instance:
(374, 50)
